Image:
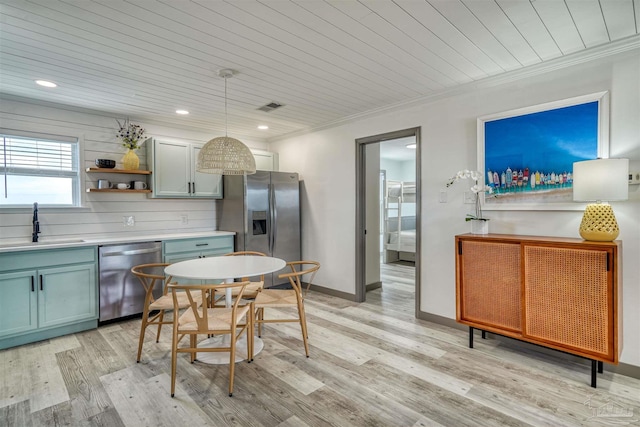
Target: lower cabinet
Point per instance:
(559, 293)
(47, 293)
(185, 249)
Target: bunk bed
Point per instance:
(399, 233)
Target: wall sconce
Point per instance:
(600, 181)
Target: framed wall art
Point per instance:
(526, 155)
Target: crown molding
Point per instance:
(584, 56)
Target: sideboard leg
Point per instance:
(470, 336)
(594, 364)
(484, 335)
(600, 367)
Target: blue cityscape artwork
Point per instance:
(529, 158)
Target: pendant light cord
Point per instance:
(226, 124)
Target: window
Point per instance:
(43, 170)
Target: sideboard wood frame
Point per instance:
(509, 296)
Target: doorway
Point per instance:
(388, 219)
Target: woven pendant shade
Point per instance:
(226, 156)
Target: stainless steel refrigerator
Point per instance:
(264, 211)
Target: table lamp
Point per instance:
(600, 181)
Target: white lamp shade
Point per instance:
(601, 180)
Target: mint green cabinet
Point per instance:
(67, 294)
(185, 249)
(174, 174)
(47, 293)
(18, 303)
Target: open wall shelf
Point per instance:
(128, 171)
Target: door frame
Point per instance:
(360, 145)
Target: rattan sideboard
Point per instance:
(560, 293)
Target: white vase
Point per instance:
(479, 226)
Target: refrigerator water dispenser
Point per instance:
(259, 219)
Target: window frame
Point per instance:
(75, 141)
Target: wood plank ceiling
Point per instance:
(323, 60)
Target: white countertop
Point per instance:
(108, 240)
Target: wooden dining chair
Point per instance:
(251, 290)
(151, 276)
(200, 320)
(279, 298)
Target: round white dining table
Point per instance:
(225, 268)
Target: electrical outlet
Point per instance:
(184, 219)
(129, 221)
(634, 177)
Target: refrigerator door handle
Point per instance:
(274, 218)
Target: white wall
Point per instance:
(325, 160)
(398, 170)
(102, 213)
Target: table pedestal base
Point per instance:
(222, 357)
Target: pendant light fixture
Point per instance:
(224, 155)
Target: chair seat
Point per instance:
(276, 298)
(218, 318)
(250, 291)
(165, 302)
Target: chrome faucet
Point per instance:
(36, 224)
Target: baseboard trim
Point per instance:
(333, 292)
(372, 286)
(40, 335)
(441, 320)
(621, 368)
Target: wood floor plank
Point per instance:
(31, 373)
(290, 374)
(148, 402)
(80, 372)
(389, 337)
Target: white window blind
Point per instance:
(38, 157)
(39, 169)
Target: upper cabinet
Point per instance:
(174, 171)
(265, 160)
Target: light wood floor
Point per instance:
(372, 364)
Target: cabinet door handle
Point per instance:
(41, 282)
(202, 244)
(189, 184)
(194, 188)
(33, 287)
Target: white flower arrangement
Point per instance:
(476, 189)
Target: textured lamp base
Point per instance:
(599, 223)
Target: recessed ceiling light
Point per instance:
(182, 112)
(46, 83)
(413, 145)
(263, 127)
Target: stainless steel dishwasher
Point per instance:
(121, 293)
